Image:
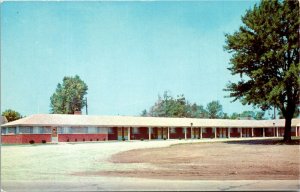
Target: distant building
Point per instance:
(79, 128)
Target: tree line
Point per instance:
(169, 106)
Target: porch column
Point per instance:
(264, 132)
(200, 132)
(241, 132)
(128, 131)
(296, 128)
(149, 132)
(228, 132)
(185, 133)
(215, 132)
(192, 134)
(168, 132)
(252, 132)
(276, 131)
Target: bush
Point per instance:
(68, 140)
(43, 141)
(83, 139)
(31, 141)
(75, 140)
(97, 139)
(91, 139)
(123, 139)
(179, 138)
(142, 139)
(164, 138)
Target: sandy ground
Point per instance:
(249, 160)
(109, 166)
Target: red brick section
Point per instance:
(114, 134)
(143, 134)
(81, 137)
(25, 138)
(209, 133)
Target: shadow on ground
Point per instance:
(265, 142)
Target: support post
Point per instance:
(149, 132)
(192, 134)
(252, 132)
(185, 133)
(200, 132)
(296, 128)
(128, 131)
(241, 132)
(215, 132)
(168, 133)
(264, 132)
(276, 131)
(229, 132)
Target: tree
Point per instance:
(196, 111)
(214, 110)
(11, 115)
(265, 53)
(235, 116)
(144, 113)
(69, 96)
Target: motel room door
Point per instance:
(120, 134)
(54, 136)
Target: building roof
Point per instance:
(3, 120)
(132, 121)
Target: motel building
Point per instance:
(46, 128)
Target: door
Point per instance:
(54, 136)
(119, 133)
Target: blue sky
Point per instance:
(126, 52)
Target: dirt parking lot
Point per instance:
(247, 160)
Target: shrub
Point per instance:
(91, 139)
(68, 140)
(75, 140)
(123, 139)
(31, 141)
(83, 139)
(43, 141)
(97, 139)
(142, 139)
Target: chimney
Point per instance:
(77, 112)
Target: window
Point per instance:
(3, 131)
(172, 130)
(92, 130)
(79, 130)
(45, 130)
(135, 130)
(25, 130)
(204, 130)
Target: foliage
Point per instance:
(258, 115)
(11, 115)
(169, 106)
(69, 96)
(265, 53)
(144, 113)
(214, 110)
